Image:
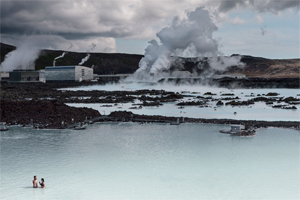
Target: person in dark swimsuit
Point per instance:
(42, 183)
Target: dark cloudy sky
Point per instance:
(268, 28)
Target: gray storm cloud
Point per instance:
(117, 19)
(91, 21)
(259, 5)
(188, 37)
(73, 25)
(82, 22)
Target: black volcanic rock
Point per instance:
(220, 103)
(43, 112)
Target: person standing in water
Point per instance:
(42, 183)
(35, 183)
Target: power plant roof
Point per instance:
(60, 68)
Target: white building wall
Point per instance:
(42, 76)
(68, 73)
(83, 73)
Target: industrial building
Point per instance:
(24, 76)
(4, 76)
(68, 73)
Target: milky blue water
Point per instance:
(258, 111)
(150, 161)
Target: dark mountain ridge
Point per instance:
(121, 63)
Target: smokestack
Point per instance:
(62, 55)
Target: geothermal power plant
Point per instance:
(51, 74)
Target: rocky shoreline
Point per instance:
(44, 114)
(125, 116)
(69, 117)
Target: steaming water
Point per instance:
(258, 111)
(151, 161)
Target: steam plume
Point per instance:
(191, 36)
(21, 58)
(88, 55)
(84, 59)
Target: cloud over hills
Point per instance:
(61, 24)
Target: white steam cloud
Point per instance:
(21, 58)
(221, 63)
(191, 36)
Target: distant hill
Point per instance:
(118, 63)
(275, 68)
(104, 63)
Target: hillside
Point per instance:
(104, 63)
(275, 68)
(118, 63)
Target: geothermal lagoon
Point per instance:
(126, 160)
(149, 161)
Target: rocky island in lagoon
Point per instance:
(45, 105)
